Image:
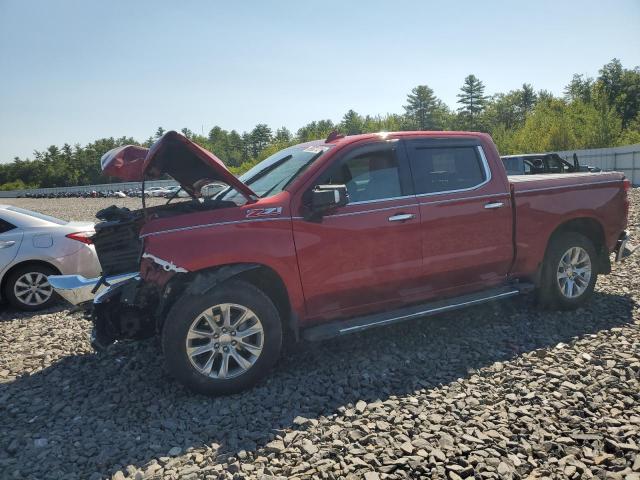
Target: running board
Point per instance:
(358, 324)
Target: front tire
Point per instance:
(223, 341)
(569, 272)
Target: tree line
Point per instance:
(593, 112)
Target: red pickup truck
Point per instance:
(333, 237)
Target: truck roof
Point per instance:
(347, 139)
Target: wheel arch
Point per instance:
(591, 228)
(259, 275)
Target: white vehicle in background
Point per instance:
(156, 191)
(33, 246)
(171, 191)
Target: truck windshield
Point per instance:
(274, 173)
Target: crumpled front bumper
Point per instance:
(79, 290)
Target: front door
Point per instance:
(367, 255)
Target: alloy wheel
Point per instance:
(32, 289)
(225, 341)
(574, 272)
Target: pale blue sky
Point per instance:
(73, 71)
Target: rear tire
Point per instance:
(27, 288)
(569, 272)
(219, 324)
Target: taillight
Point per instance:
(84, 237)
(626, 185)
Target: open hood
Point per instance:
(175, 155)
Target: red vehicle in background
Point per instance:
(332, 237)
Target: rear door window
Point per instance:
(6, 226)
(446, 169)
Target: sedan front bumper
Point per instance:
(79, 290)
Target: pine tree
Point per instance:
(260, 138)
(473, 101)
(579, 89)
(352, 123)
(527, 98)
(424, 110)
(283, 135)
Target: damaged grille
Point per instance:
(117, 242)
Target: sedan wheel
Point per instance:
(27, 287)
(33, 289)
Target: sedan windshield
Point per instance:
(274, 173)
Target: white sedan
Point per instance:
(33, 246)
(156, 191)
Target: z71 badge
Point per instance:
(264, 212)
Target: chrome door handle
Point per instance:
(7, 243)
(401, 217)
(492, 205)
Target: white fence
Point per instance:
(623, 159)
(104, 187)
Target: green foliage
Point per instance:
(425, 111)
(579, 89)
(15, 185)
(473, 102)
(593, 113)
(352, 123)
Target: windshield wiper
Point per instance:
(292, 177)
(270, 168)
(301, 169)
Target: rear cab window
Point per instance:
(446, 168)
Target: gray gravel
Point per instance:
(78, 208)
(499, 391)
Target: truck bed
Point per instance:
(544, 202)
(552, 181)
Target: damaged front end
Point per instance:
(133, 309)
(130, 300)
(122, 306)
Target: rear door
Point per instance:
(466, 215)
(366, 255)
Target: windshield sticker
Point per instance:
(316, 149)
(264, 212)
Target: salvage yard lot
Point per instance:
(498, 391)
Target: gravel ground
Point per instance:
(498, 391)
(77, 208)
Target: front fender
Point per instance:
(268, 243)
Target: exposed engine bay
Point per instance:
(130, 309)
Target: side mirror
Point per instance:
(327, 197)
